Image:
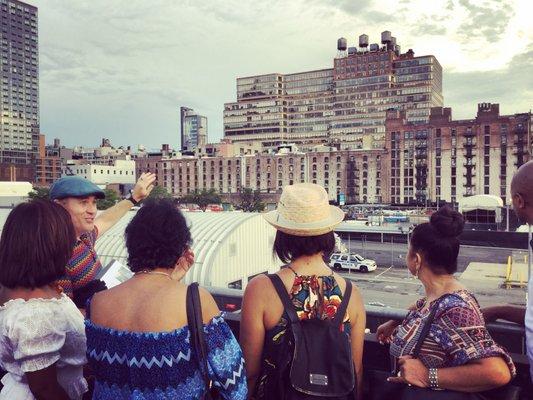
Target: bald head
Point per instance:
(522, 192)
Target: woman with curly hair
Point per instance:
(138, 341)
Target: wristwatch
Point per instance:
(131, 199)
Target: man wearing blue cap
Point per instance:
(78, 196)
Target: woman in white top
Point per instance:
(42, 338)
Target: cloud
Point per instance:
(351, 7)
(489, 20)
(378, 17)
(512, 87)
(428, 29)
(121, 69)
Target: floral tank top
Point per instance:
(313, 297)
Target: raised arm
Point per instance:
(112, 215)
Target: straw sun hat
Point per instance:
(303, 210)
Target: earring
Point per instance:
(416, 272)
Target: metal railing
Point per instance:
(376, 357)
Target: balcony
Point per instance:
(470, 133)
(520, 151)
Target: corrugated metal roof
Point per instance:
(208, 231)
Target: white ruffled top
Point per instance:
(35, 334)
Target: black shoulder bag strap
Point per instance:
(425, 329)
(196, 332)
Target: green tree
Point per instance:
(159, 192)
(39, 193)
(250, 201)
(246, 199)
(258, 204)
(110, 200)
(202, 198)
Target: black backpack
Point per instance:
(322, 363)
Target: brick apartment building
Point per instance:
(48, 163)
(345, 104)
(355, 173)
(446, 160)
(422, 163)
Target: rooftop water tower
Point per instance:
(342, 45)
(363, 42)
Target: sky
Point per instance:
(120, 69)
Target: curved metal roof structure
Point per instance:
(209, 233)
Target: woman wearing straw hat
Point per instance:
(304, 221)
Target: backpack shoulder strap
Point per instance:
(284, 297)
(341, 311)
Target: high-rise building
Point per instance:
(193, 129)
(345, 104)
(19, 83)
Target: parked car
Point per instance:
(345, 261)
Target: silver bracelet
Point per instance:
(433, 378)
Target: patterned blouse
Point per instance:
(313, 297)
(457, 336)
(162, 365)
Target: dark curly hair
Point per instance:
(438, 240)
(157, 236)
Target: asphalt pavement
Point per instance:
(393, 286)
(387, 254)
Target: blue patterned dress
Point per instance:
(162, 365)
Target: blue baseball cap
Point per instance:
(74, 186)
